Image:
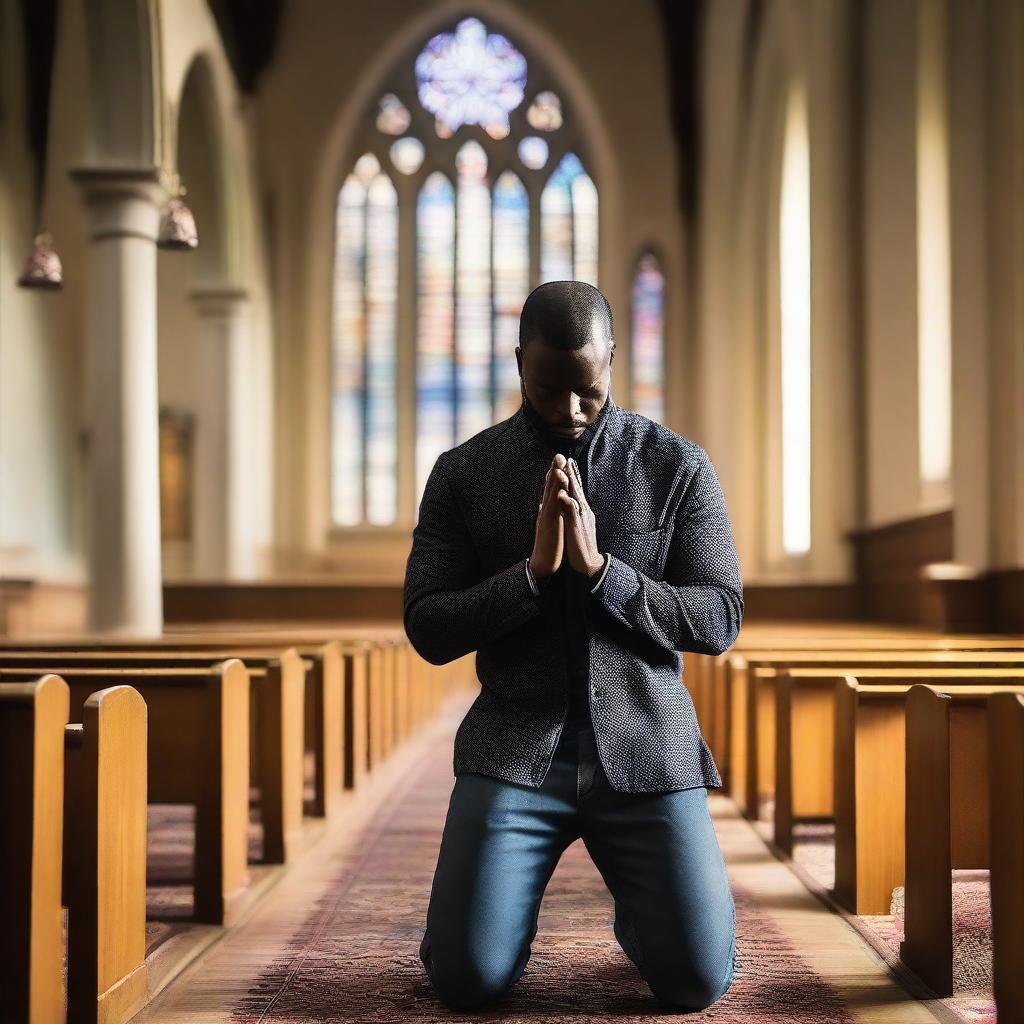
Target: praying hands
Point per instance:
(565, 524)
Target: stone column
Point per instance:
(224, 512)
(125, 582)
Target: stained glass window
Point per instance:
(435, 278)
(407, 154)
(545, 113)
(472, 294)
(470, 76)
(466, 209)
(568, 209)
(393, 115)
(647, 344)
(366, 276)
(533, 151)
(511, 233)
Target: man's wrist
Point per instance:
(539, 577)
(536, 582)
(596, 577)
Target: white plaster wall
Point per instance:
(40, 332)
(890, 261)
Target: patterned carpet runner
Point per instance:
(355, 957)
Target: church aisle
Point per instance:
(337, 937)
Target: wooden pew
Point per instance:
(377, 708)
(198, 753)
(752, 680)
(805, 714)
(104, 881)
(701, 676)
(279, 680)
(947, 819)
(402, 689)
(81, 835)
(870, 769)
(727, 732)
(33, 717)
(1006, 855)
(387, 738)
(721, 716)
(324, 697)
(356, 655)
(392, 698)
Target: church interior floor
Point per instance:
(336, 937)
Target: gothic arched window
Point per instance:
(467, 189)
(647, 341)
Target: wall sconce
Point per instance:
(43, 268)
(177, 225)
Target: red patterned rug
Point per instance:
(356, 955)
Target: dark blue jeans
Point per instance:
(657, 852)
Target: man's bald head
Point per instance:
(567, 315)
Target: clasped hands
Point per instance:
(565, 524)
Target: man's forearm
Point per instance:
(702, 617)
(698, 605)
(443, 625)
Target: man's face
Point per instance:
(567, 389)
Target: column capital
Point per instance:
(123, 201)
(141, 182)
(219, 299)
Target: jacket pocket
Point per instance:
(642, 549)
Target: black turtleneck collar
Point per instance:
(573, 446)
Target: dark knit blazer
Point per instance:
(672, 585)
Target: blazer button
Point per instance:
(598, 691)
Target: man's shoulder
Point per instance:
(656, 441)
(491, 442)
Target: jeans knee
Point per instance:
(463, 980)
(690, 990)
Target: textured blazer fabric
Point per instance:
(672, 585)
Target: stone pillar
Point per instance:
(224, 495)
(125, 582)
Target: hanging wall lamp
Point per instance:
(43, 268)
(177, 225)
